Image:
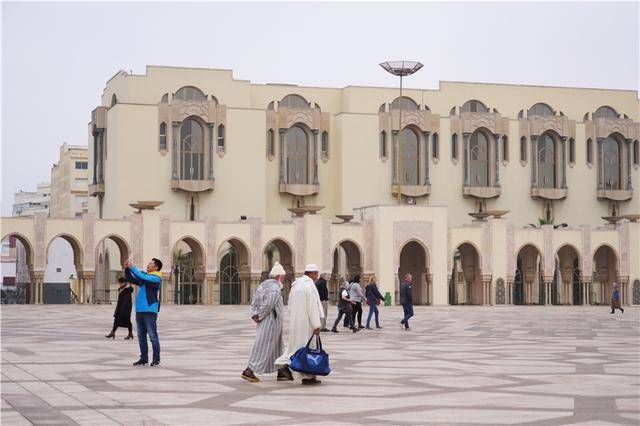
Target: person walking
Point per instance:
(323, 292)
(147, 307)
(122, 313)
(373, 300)
(345, 307)
(406, 299)
(267, 311)
(305, 312)
(356, 295)
(615, 299)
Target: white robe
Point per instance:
(305, 312)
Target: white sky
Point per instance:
(57, 57)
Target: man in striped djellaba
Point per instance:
(268, 313)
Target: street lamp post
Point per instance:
(401, 69)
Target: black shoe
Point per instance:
(155, 363)
(129, 337)
(284, 374)
(378, 327)
(360, 327)
(612, 312)
(324, 330)
(333, 330)
(368, 328)
(249, 376)
(140, 362)
(355, 330)
(111, 335)
(313, 381)
(622, 310)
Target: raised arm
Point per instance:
(150, 280)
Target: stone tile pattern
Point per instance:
(458, 365)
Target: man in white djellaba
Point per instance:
(305, 313)
(267, 310)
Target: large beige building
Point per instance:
(70, 182)
(248, 174)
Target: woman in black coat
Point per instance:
(122, 314)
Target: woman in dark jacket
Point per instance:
(373, 298)
(122, 314)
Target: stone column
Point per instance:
(315, 157)
(585, 292)
(624, 287)
(174, 150)
(547, 290)
(534, 161)
(87, 280)
(600, 164)
(509, 291)
(255, 282)
(465, 157)
(629, 186)
(394, 138)
(427, 181)
(564, 162)
(212, 128)
(497, 160)
(281, 155)
(429, 279)
(215, 289)
(486, 290)
(166, 288)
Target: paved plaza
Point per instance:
(458, 365)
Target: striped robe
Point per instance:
(267, 301)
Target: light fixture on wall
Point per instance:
(243, 218)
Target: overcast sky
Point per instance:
(57, 57)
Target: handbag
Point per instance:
(311, 361)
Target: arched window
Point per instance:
(164, 99)
(294, 102)
(191, 150)
(636, 152)
(454, 146)
(324, 144)
(271, 147)
(589, 148)
(408, 104)
(297, 156)
(410, 157)
(479, 156)
(546, 161)
(383, 144)
(523, 149)
(540, 109)
(572, 151)
(221, 146)
(474, 106)
(190, 93)
(605, 112)
(114, 99)
(611, 156)
(435, 146)
(163, 136)
(505, 148)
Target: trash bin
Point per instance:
(387, 299)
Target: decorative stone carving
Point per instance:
(500, 292)
(405, 231)
(636, 292)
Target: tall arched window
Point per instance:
(383, 144)
(435, 146)
(572, 151)
(410, 157)
(611, 158)
(454, 146)
(546, 161)
(474, 106)
(271, 145)
(479, 156)
(163, 136)
(523, 149)
(191, 150)
(408, 104)
(190, 93)
(636, 152)
(221, 146)
(324, 144)
(297, 156)
(589, 149)
(505, 148)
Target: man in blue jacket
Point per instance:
(147, 307)
(406, 299)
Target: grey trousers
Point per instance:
(325, 307)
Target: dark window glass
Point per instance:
(190, 93)
(479, 159)
(191, 150)
(163, 136)
(325, 143)
(612, 167)
(572, 151)
(636, 152)
(294, 102)
(297, 156)
(82, 165)
(383, 144)
(408, 104)
(454, 147)
(474, 106)
(505, 148)
(540, 109)
(221, 137)
(546, 162)
(589, 151)
(435, 145)
(523, 149)
(271, 148)
(410, 157)
(605, 112)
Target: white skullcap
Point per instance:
(277, 270)
(312, 267)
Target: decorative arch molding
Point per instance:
(419, 231)
(76, 247)
(123, 246)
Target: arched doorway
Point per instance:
(568, 276)
(347, 263)
(414, 260)
(234, 273)
(465, 287)
(528, 286)
(188, 272)
(63, 266)
(17, 270)
(111, 253)
(605, 273)
(279, 251)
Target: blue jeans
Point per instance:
(146, 324)
(373, 309)
(408, 313)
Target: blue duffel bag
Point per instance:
(311, 361)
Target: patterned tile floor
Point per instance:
(459, 365)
